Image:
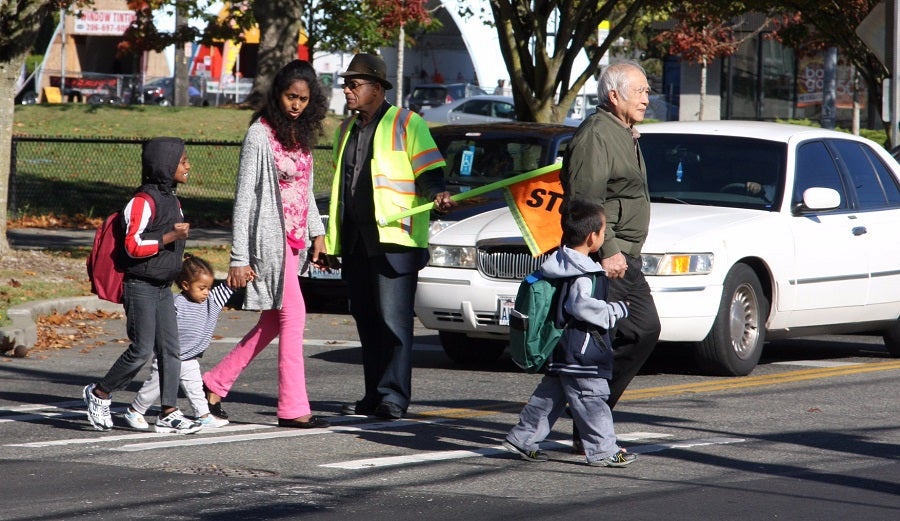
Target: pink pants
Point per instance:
(287, 324)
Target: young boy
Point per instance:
(581, 365)
(155, 234)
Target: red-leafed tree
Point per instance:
(396, 15)
(705, 32)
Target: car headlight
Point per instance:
(452, 256)
(677, 264)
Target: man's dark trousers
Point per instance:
(634, 337)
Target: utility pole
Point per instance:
(892, 61)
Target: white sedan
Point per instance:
(758, 231)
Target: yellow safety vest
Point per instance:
(402, 149)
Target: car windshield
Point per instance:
(430, 95)
(714, 170)
(477, 161)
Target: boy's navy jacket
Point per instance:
(585, 349)
(159, 161)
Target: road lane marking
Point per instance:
(191, 441)
(730, 383)
(146, 435)
(427, 457)
(816, 363)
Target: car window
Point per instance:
(815, 167)
(714, 170)
(868, 184)
(887, 179)
(504, 110)
(430, 95)
(478, 107)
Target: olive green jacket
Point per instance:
(604, 164)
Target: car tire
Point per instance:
(735, 343)
(892, 339)
(163, 102)
(469, 351)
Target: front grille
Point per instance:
(507, 261)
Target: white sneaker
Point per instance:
(97, 409)
(135, 419)
(212, 422)
(176, 423)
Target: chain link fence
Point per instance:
(94, 177)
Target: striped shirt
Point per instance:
(197, 321)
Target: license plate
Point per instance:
(316, 273)
(505, 304)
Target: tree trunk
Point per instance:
(703, 71)
(181, 81)
(9, 71)
(279, 27)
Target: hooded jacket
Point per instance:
(145, 224)
(585, 349)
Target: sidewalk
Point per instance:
(40, 238)
(23, 331)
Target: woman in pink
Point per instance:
(276, 231)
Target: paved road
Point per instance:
(812, 434)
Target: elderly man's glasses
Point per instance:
(353, 85)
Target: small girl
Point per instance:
(197, 309)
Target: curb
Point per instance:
(23, 331)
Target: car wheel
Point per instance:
(163, 102)
(95, 99)
(735, 343)
(892, 339)
(464, 350)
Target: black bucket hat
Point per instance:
(368, 66)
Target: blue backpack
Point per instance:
(537, 320)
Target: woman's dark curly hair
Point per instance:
(300, 133)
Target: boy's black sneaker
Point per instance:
(530, 455)
(619, 459)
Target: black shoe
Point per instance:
(215, 408)
(314, 422)
(360, 408)
(389, 410)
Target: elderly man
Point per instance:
(385, 161)
(604, 164)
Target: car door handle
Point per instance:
(859, 230)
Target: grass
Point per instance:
(139, 121)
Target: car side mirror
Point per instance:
(818, 199)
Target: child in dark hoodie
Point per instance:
(579, 370)
(155, 234)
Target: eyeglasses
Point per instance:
(353, 85)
